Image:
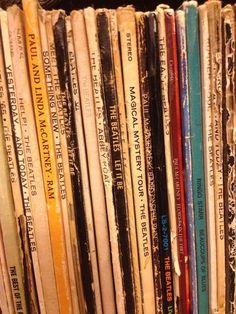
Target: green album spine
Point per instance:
(199, 202)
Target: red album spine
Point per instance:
(177, 161)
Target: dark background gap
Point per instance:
(69, 5)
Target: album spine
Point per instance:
(113, 124)
(229, 163)
(208, 154)
(126, 158)
(199, 201)
(142, 35)
(128, 42)
(89, 259)
(215, 34)
(94, 167)
(47, 153)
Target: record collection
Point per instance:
(117, 159)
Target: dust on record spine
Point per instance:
(215, 34)
(208, 154)
(142, 29)
(128, 42)
(229, 163)
(90, 249)
(126, 158)
(94, 167)
(46, 147)
(119, 192)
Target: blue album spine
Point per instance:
(199, 203)
(187, 156)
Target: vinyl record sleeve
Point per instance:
(142, 37)
(95, 172)
(89, 250)
(208, 153)
(126, 158)
(104, 152)
(13, 111)
(229, 163)
(46, 147)
(215, 35)
(198, 179)
(128, 43)
(117, 167)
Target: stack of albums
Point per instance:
(117, 160)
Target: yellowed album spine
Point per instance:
(127, 31)
(8, 135)
(3, 293)
(36, 198)
(9, 233)
(215, 35)
(95, 174)
(229, 161)
(11, 156)
(31, 288)
(47, 153)
(84, 165)
(9, 213)
(10, 236)
(10, 49)
(126, 159)
(57, 123)
(11, 73)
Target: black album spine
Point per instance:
(142, 28)
(113, 124)
(160, 165)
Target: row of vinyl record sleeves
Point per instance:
(118, 160)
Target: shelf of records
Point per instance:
(117, 160)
